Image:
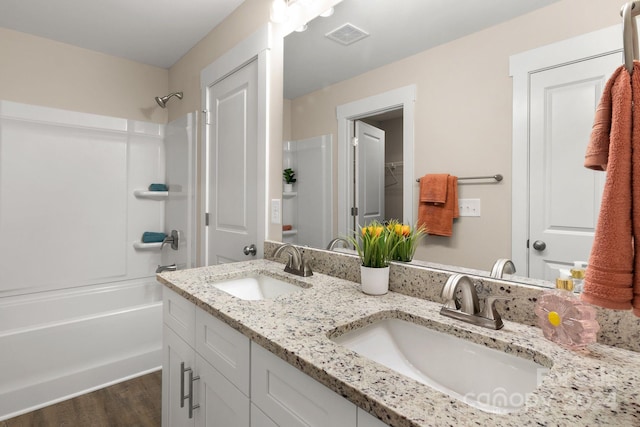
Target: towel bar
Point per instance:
(496, 177)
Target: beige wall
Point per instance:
(463, 116)
(185, 76)
(39, 71)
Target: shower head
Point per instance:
(162, 102)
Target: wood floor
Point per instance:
(133, 403)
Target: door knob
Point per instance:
(250, 250)
(539, 245)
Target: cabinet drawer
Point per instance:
(291, 398)
(179, 314)
(224, 348)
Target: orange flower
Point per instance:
(406, 230)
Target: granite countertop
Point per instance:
(596, 386)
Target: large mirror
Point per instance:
(453, 59)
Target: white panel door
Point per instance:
(231, 166)
(370, 173)
(564, 196)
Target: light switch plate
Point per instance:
(276, 211)
(469, 207)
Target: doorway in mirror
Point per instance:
(378, 168)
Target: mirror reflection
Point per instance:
(457, 59)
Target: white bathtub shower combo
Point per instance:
(79, 304)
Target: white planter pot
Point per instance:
(375, 281)
(288, 188)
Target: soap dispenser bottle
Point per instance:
(577, 274)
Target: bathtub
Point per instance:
(59, 344)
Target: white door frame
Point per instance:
(255, 47)
(521, 66)
(404, 98)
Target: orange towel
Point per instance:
(609, 279)
(437, 218)
(433, 188)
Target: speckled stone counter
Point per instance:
(426, 280)
(597, 386)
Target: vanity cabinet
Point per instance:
(205, 367)
(235, 382)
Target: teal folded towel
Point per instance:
(152, 237)
(158, 187)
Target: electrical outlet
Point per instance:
(276, 211)
(469, 207)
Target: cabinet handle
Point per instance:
(191, 405)
(182, 372)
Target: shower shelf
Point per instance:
(288, 195)
(140, 245)
(145, 194)
(290, 232)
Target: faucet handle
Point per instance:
(489, 310)
(306, 268)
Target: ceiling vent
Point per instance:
(347, 34)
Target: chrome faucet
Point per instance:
(467, 307)
(162, 268)
(332, 244)
(502, 266)
(296, 264)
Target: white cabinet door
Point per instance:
(176, 355)
(291, 398)
(365, 419)
(221, 403)
(259, 419)
(564, 196)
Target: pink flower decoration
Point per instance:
(566, 320)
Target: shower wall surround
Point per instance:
(617, 328)
(66, 198)
(72, 283)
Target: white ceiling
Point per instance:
(160, 32)
(155, 32)
(397, 28)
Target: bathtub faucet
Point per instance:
(162, 268)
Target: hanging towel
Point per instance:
(433, 188)
(152, 237)
(437, 218)
(609, 280)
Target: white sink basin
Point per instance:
(482, 377)
(256, 286)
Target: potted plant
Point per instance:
(375, 245)
(289, 178)
(406, 240)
